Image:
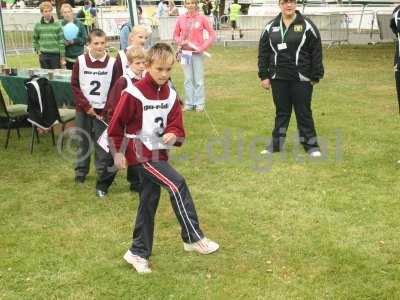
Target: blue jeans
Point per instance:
(194, 82)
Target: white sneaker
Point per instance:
(204, 246)
(140, 264)
(265, 152)
(316, 154)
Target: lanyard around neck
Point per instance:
(283, 33)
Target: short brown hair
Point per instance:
(160, 51)
(45, 5)
(97, 32)
(135, 53)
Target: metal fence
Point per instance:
(385, 32)
(334, 28)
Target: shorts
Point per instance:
(233, 24)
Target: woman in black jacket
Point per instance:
(290, 61)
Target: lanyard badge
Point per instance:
(282, 45)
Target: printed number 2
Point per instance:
(160, 130)
(95, 91)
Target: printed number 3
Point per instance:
(95, 89)
(160, 130)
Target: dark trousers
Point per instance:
(288, 95)
(134, 178)
(397, 77)
(89, 130)
(156, 175)
(69, 65)
(49, 61)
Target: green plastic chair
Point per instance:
(13, 114)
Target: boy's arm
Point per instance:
(175, 123)
(61, 44)
(35, 39)
(80, 100)
(113, 97)
(118, 67)
(122, 118)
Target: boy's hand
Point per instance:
(169, 138)
(62, 62)
(119, 161)
(92, 113)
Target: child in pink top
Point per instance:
(189, 36)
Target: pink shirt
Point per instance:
(190, 27)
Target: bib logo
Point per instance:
(298, 28)
(158, 106)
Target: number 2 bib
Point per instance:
(95, 82)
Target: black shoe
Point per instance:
(101, 194)
(135, 188)
(80, 179)
(241, 35)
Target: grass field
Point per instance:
(288, 227)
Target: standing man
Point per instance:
(234, 11)
(290, 61)
(48, 39)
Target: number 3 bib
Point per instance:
(154, 119)
(95, 82)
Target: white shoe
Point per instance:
(140, 264)
(265, 152)
(204, 246)
(316, 154)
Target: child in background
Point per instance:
(92, 77)
(136, 61)
(137, 38)
(48, 39)
(76, 46)
(188, 34)
(150, 109)
(234, 11)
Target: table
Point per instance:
(14, 86)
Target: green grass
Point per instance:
(301, 229)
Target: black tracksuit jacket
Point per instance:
(300, 61)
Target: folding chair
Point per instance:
(13, 115)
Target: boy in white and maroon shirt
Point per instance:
(151, 112)
(92, 77)
(136, 61)
(137, 39)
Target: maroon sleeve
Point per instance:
(81, 103)
(113, 97)
(122, 118)
(118, 71)
(175, 123)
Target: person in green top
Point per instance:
(48, 39)
(74, 34)
(234, 11)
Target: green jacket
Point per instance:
(48, 37)
(77, 48)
